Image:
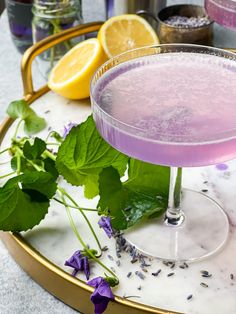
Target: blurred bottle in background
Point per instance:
(20, 17)
(145, 7)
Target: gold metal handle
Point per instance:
(41, 46)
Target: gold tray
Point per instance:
(61, 284)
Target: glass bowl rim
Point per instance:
(221, 53)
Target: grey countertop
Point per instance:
(18, 293)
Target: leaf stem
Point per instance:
(16, 130)
(82, 242)
(49, 154)
(7, 175)
(83, 214)
(4, 163)
(76, 207)
(57, 144)
(5, 150)
(18, 160)
(36, 167)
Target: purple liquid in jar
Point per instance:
(20, 17)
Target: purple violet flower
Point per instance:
(101, 295)
(105, 223)
(80, 263)
(67, 128)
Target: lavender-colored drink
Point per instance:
(175, 109)
(222, 11)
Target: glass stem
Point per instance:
(174, 215)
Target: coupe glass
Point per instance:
(194, 225)
(222, 11)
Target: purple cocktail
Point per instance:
(172, 105)
(222, 11)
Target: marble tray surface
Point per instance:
(55, 240)
(19, 294)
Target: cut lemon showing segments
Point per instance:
(72, 74)
(125, 32)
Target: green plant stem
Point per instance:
(57, 144)
(7, 175)
(5, 150)
(82, 242)
(67, 206)
(57, 29)
(63, 192)
(47, 153)
(85, 217)
(36, 167)
(4, 163)
(18, 159)
(76, 207)
(17, 129)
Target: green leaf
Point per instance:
(23, 164)
(40, 181)
(148, 178)
(34, 151)
(126, 205)
(84, 154)
(34, 124)
(50, 166)
(24, 200)
(20, 109)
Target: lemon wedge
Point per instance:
(72, 74)
(125, 32)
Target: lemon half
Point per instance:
(72, 74)
(125, 32)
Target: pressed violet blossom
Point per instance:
(79, 262)
(101, 295)
(67, 128)
(105, 223)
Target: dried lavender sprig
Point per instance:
(111, 258)
(203, 284)
(170, 274)
(139, 274)
(156, 273)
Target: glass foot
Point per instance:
(203, 232)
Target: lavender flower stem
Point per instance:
(76, 207)
(7, 175)
(17, 129)
(81, 240)
(5, 150)
(63, 192)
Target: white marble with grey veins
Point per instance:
(55, 239)
(21, 295)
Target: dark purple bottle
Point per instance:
(20, 17)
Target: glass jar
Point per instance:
(51, 17)
(20, 17)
